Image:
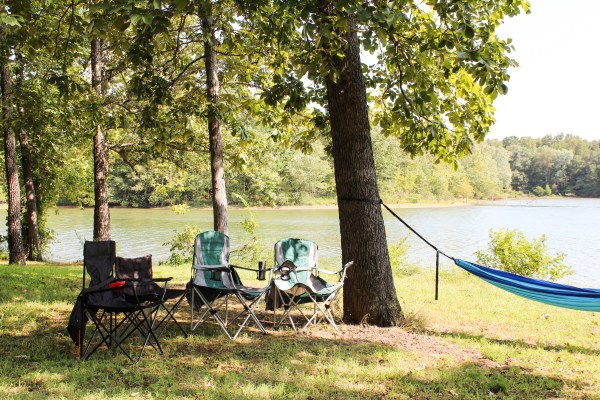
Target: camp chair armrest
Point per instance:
(328, 272)
(253, 269)
(278, 267)
(146, 280)
(260, 273)
(222, 267)
(341, 272)
(149, 282)
(139, 295)
(167, 279)
(244, 268)
(99, 287)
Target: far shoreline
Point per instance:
(334, 206)
(316, 207)
(296, 207)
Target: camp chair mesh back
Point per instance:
(214, 281)
(211, 249)
(297, 282)
(302, 253)
(99, 260)
(145, 286)
(139, 271)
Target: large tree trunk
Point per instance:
(369, 293)
(34, 249)
(219, 194)
(15, 236)
(101, 212)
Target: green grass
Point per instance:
(476, 342)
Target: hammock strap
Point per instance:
(415, 232)
(379, 201)
(437, 272)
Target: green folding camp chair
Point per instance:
(297, 281)
(215, 281)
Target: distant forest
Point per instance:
(264, 172)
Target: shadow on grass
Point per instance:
(208, 365)
(518, 343)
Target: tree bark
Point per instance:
(34, 250)
(219, 193)
(369, 293)
(101, 211)
(15, 235)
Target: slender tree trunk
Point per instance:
(34, 250)
(15, 236)
(219, 194)
(101, 212)
(369, 294)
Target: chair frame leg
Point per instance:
(321, 310)
(224, 323)
(120, 330)
(171, 314)
(209, 310)
(293, 303)
(249, 311)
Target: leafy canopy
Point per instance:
(433, 72)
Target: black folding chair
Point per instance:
(119, 309)
(139, 271)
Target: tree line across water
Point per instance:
(266, 173)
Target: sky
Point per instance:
(556, 87)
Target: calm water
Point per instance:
(571, 226)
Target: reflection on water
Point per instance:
(570, 225)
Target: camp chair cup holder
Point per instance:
(215, 275)
(285, 269)
(261, 274)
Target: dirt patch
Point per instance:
(401, 339)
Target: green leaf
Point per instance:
(9, 20)
(135, 18)
(503, 89)
(469, 32)
(148, 18)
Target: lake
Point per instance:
(572, 226)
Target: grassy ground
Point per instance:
(476, 342)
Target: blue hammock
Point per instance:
(543, 291)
